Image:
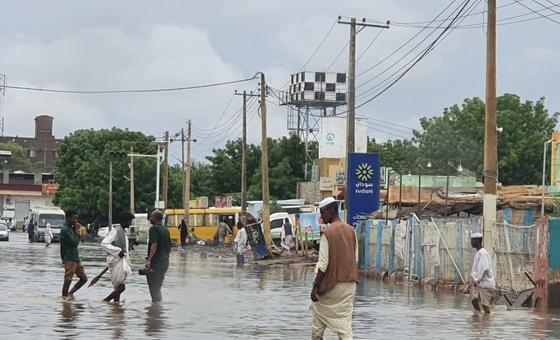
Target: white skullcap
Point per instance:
(476, 235)
(326, 202)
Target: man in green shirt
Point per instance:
(159, 247)
(69, 241)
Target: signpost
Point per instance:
(363, 186)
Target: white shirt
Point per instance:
(241, 240)
(323, 260)
(109, 247)
(481, 273)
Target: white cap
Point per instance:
(476, 235)
(326, 202)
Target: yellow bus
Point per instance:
(203, 221)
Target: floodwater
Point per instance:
(207, 297)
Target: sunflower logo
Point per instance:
(364, 172)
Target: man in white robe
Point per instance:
(48, 235)
(116, 246)
(240, 242)
(335, 284)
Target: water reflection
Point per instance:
(69, 317)
(116, 320)
(208, 297)
(155, 319)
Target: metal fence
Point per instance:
(440, 250)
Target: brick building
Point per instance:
(43, 147)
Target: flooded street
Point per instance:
(208, 297)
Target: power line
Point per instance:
(370, 44)
(544, 6)
(422, 56)
(372, 89)
(168, 89)
(316, 50)
(406, 43)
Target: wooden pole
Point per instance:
(264, 165)
(490, 134)
(244, 161)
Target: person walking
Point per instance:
(287, 235)
(223, 231)
(335, 284)
(184, 232)
(159, 247)
(48, 235)
(241, 242)
(31, 231)
(482, 277)
(69, 241)
(116, 246)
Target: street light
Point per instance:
(428, 165)
(460, 170)
(544, 175)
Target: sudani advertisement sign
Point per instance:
(363, 186)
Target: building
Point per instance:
(21, 192)
(43, 147)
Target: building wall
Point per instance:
(9, 203)
(43, 147)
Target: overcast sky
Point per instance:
(90, 45)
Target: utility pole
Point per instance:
(244, 153)
(244, 160)
(264, 165)
(351, 100)
(110, 217)
(165, 169)
(158, 166)
(132, 181)
(490, 133)
(187, 174)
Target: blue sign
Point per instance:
(363, 186)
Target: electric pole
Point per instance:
(351, 100)
(165, 169)
(244, 153)
(187, 173)
(110, 217)
(264, 165)
(490, 133)
(132, 180)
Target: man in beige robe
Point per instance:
(335, 284)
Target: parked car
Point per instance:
(9, 221)
(4, 231)
(277, 222)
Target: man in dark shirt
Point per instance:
(159, 247)
(69, 241)
(31, 231)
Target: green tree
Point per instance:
(83, 172)
(18, 160)
(459, 133)
(398, 154)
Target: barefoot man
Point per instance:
(69, 241)
(335, 283)
(116, 246)
(482, 277)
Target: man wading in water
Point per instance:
(116, 246)
(69, 241)
(482, 278)
(337, 274)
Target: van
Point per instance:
(55, 216)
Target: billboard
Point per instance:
(363, 186)
(332, 137)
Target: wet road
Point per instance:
(208, 297)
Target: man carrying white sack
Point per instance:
(116, 246)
